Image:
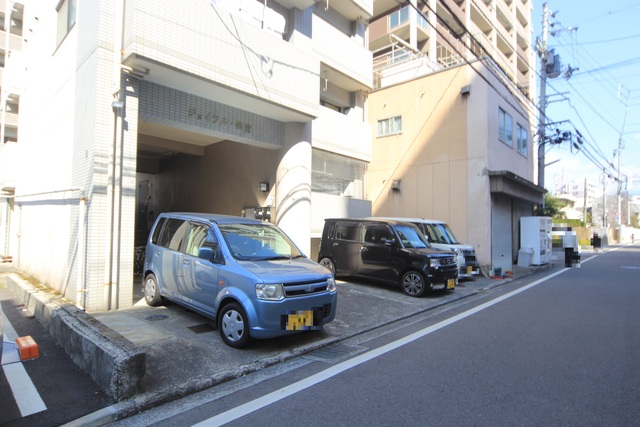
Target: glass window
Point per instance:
(390, 126)
(523, 140)
(66, 18)
(376, 234)
(198, 238)
(347, 231)
(399, 17)
(422, 21)
(156, 231)
(258, 242)
(338, 175)
(505, 127)
(173, 233)
(411, 237)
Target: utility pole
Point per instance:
(549, 68)
(542, 52)
(620, 146)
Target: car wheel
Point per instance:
(329, 265)
(234, 326)
(151, 291)
(413, 284)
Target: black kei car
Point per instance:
(389, 251)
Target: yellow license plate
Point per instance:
(451, 283)
(469, 269)
(300, 321)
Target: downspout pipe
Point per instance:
(112, 241)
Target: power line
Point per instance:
(610, 40)
(585, 150)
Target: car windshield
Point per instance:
(441, 233)
(446, 234)
(258, 242)
(411, 237)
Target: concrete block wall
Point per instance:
(112, 361)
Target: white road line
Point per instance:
(24, 391)
(254, 405)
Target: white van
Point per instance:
(441, 236)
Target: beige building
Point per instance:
(453, 122)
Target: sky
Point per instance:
(600, 42)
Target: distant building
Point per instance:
(453, 128)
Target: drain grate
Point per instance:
(157, 317)
(335, 352)
(201, 329)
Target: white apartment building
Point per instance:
(454, 119)
(10, 50)
(132, 108)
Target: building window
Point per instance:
(422, 21)
(66, 18)
(523, 140)
(390, 126)
(505, 127)
(399, 17)
(338, 175)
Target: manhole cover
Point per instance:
(157, 317)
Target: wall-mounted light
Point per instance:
(465, 90)
(395, 185)
(263, 186)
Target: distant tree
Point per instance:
(552, 207)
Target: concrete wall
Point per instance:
(112, 361)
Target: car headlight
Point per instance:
(331, 285)
(269, 292)
(434, 262)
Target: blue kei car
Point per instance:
(245, 274)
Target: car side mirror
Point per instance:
(206, 253)
(390, 242)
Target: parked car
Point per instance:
(245, 274)
(388, 251)
(441, 236)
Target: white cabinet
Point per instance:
(535, 233)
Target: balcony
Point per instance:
(298, 4)
(350, 66)
(337, 133)
(207, 51)
(9, 165)
(401, 65)
(352, 9)
(13, 75)
(398, 24)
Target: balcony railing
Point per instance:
(337, 133)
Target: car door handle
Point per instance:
(364, 249)
(186, 261)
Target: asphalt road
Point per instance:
(48, 390)
(559, 351)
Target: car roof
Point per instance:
(433, 221)
(217, 218)
(372, 219)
